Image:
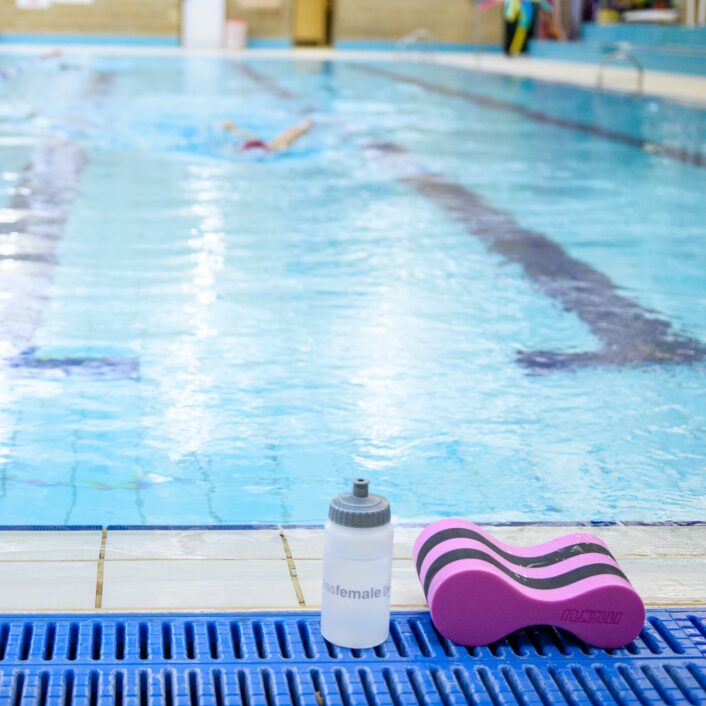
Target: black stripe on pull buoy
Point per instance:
(548, 583)
(534, 562)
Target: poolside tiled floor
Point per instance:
(160, 584)
(50, 546)
(270, 569)
(663, 84)
(670, 85)
(212, 544)
(47, 585)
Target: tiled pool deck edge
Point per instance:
(670, 85)
(279, 568)
(318, 525)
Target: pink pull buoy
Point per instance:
(480, 589)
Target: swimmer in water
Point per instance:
(282, 142)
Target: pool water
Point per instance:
(194, 334)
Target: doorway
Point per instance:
(312, 22)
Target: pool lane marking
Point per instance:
(269, 85)
(43, 197)
(678, 155)
(629, 333)
(264, 81)
(43, 200)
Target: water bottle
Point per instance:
(355, 606)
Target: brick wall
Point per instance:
(262, 23)
(129, 17)
(448, 20)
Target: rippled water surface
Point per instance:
(193, 334)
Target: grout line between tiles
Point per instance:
(101, 569)
(292, 570)
(192, 558)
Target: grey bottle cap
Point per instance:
(358, 508)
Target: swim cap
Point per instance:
(255, 145)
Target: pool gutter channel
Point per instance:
(282, 660)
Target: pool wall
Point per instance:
(658, 48)
(87, 39)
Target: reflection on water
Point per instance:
(226, 338)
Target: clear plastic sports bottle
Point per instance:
(355, 607)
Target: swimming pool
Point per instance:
(486, 293)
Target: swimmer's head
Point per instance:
(230, 126)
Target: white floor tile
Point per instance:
(55, 585)
(309, 572)
(636, 541)
(668, 581)
(194, 544)
(305, 543)
(181, 585)
(405, 537)
(406, 590)
(49, 546)
(309, 543)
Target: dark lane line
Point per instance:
(629, 334)
(263, 81)
(684, 156)
(44, 198)
(41, 200)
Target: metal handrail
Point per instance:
(621, 51)
(416, 36)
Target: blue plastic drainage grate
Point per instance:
(281, 660)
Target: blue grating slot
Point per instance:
(282, 660)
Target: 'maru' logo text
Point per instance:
(606, 617)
